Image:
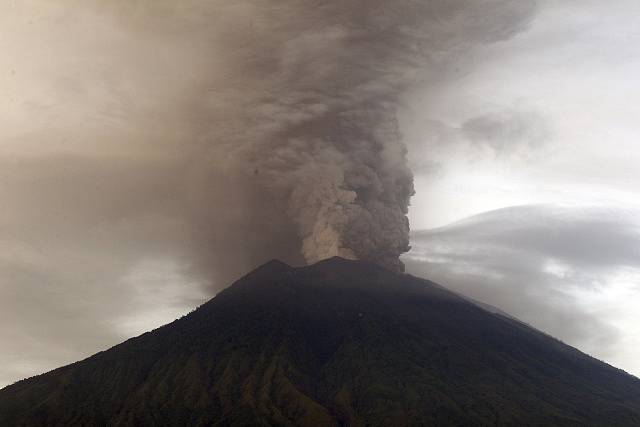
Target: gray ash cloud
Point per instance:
(316, 139)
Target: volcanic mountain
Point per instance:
(338, 343)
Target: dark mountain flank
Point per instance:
(336, 343)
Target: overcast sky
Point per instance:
(523, 149)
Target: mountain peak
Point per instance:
(274, 263)
(273, 266)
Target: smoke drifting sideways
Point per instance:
(265, 129)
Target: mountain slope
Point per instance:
(337, 343)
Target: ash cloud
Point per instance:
(205, 136)
(316, 142)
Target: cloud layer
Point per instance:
(557, 268)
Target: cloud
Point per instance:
(508, 132)
(550, 266)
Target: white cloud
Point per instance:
(573, 273)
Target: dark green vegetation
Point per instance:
(336, 343)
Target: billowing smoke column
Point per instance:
(318, 140)
(351, 197)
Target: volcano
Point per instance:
(337, 343)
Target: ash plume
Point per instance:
(315, 135)
(220, 134)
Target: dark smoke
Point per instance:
(313, 143)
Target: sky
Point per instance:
(531, 202)
(520, 126)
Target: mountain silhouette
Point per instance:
(337, 343)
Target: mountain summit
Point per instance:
(337, 343)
